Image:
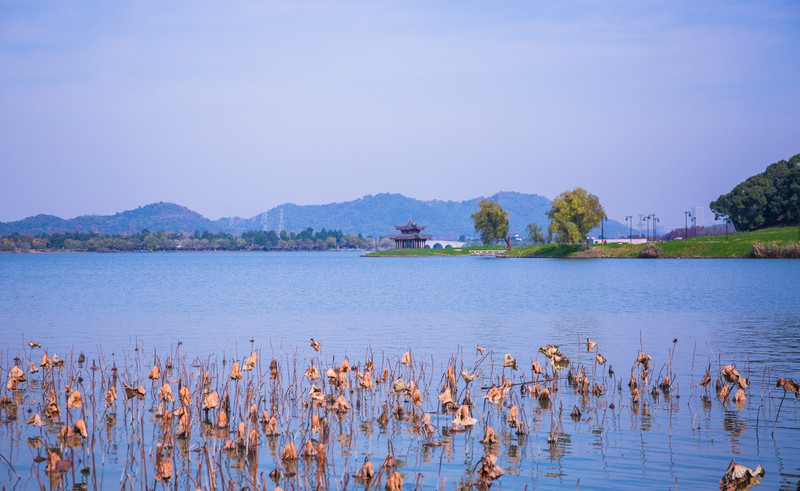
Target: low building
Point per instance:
(410, 236)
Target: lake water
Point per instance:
(742, 312)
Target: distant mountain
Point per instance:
(154, 217)
(373, 215)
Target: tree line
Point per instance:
(256, 240)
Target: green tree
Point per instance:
(535, 233)
(491, 221)
(573, 214)
(768, 199)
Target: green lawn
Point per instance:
(737, 245)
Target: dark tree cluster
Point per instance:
(768, 199)
(145, 240)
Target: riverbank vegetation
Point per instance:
(260, 240)
(767, 243)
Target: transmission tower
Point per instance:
(264, 221)
(280, 222)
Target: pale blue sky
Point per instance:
(227, 107)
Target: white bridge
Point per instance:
(443, 244)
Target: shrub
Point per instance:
(766, 251)
(650, 251)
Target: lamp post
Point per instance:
(602, 230)
(694, 225)
(655, 228)
(647, 222)
(686, 215)
(629, 219)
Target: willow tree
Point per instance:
(573, 214)
(491, 221)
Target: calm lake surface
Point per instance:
(741, 312)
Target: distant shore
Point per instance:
(772, 243)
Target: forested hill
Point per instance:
(154, 217)
(373, 215)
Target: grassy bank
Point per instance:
(736, 245)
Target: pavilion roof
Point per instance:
(410, 225)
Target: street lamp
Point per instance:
(647, 222)
(655, 228)
(602, 230)
(686, 215)
(629, 219)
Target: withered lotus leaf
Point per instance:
(264, 419)
(252, 438)
(536, 367)
(480, 350)
(724, 391)
(271, 429)
(446, 397)
(185, 395)
(253, 414)
(597, 390)
(250, 362)
(513, 416)
(788, 385)
(416, 398)
(65, 433)
(489, 437)
(184, 425)
(289, 452)
(341, 405)
(35, 420)
(706, 379)
(395, 482)
(236, 372)
(365, 471)
(406, 360)
(206, 379)
(509, 361)
(366, 381)
(222, 420)
(210, 399)
(633, 384)
(576, 413)
(52, 462)
(80, 428)
(229, 446)
(341, 380)
(739, 477)
(559, 361)
(316, 394)
(273, 369)
(590, 345)
(45, 363)
(111, 396)
(165, 394)
(154, 373)
(315, 344)
(12, 384)
(489, 469)
(163, 466)
(600, 358)
(549, 350)
(644, 360)
(32, 368)
(345, 366)
(398, 385)
(635, 394)
(544, 394)
(312, 372)
(57, 362)
(309, 450)
(739, 399)
(5, 400)
(463, 417)
(17, 374)
(34, 345)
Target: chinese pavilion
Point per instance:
(410, 236)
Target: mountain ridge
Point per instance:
(373, 215)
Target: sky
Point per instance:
(230, 108)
